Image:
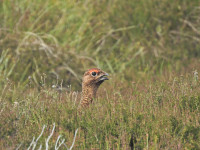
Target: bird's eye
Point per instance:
(94, 73)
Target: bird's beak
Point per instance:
(104, 77)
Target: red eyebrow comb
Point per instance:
(93, 70)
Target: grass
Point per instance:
(160, 113)
(63, 38)
(150, 48)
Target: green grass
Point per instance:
(149, 47)
(63, 38)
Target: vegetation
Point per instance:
(150, 48)
(160, 114)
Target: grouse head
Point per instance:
(92, 79)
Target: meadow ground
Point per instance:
(151, 49)
(160, 113)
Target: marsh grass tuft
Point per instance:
(63, 38)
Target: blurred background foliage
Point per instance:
(62, 38)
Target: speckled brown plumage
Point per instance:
(92, 79)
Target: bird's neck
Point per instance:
(88, 94)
